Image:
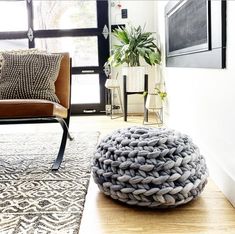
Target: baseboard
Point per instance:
(223, 179)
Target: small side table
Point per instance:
(158, 112)
(113, 86)
(154, 104)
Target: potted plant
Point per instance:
(134, 45)
(155, 99)
(154, 103)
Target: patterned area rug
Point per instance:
(33, 199)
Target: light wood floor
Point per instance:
(211, 213)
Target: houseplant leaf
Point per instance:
(134, 43)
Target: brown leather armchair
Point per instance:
(19, 111)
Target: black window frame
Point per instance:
(103, 49)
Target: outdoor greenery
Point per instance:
(134, 43)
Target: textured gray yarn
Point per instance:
(153, 167)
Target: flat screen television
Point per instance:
(195, 32)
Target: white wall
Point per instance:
(202, 104)
(139, 13)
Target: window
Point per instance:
(63, 26)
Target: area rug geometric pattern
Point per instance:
(33, 199)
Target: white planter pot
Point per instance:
(111, 83)
(153, 102)
(135, 78)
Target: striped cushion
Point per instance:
(30, 76)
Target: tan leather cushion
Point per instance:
(23, 108)
(62, 84)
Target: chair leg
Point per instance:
(66, 135)
(66, 123)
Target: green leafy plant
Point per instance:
(162, 94)
(134, 43)
(159, 92)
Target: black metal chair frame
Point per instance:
(125, 97)
(64, 122)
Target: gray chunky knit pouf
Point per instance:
(149, 167)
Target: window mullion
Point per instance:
(30, 23)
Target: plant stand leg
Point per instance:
(145, 97)
(125, 98)
(119, 97)
(125, 107)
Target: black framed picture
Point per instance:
(196, 33)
